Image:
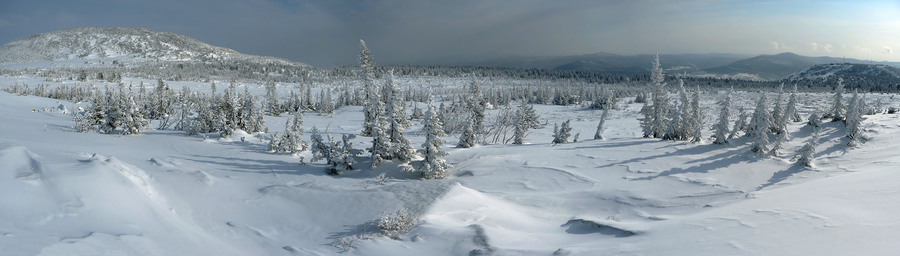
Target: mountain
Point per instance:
(776, 67)
(866, 77)
(615, 63)
(140, 52)
(129, 44)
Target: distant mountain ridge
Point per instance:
(762, 67)
(866, 77)
(124, 44)
(616, 63)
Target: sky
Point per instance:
(326, 32)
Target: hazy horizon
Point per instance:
(326, 33)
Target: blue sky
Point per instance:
(326, 33)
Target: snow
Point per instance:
(166, 193)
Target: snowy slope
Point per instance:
(165, 193)
(78, 45)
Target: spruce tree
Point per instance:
(526, 119)
(759, 127)
(853, 120)
(778, 127)
(134, 120)
(807, 153)
(838, 110)
(696, 117)
(561, 133)
(433, 165)
(467, 138)
(400, 147)
(659, 111)
(721, 128)
(370, 108)
(790, 111)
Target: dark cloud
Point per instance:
(326, 32)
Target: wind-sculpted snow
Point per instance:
(166, 193)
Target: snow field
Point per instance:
(165, 193)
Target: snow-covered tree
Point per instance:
(598, 135)
(721, 128)
(526, 119)
(162, 109)
(838, 110)
(561, 133)
(477, 105)
(272, 104)
(814, 119)
(696, 117)
(658, 113)
(740, 124)
(778, 126)
(134, 121)
(400, 148)
(853, 120)
(790, 111)
(807, 152)
(291, 141)
(759, 127)
(433, 165)
(467, 137)
(325, 105)
(339, 156)
(370, 108)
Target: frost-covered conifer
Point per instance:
(561, 133)
(417, 113)
(685, 127)
(433, 165)
(838, 110)
(370, 108)
(526, 119)
(96, 114)
(343, 155)
(252, 116)
(647, 120)
(807, 152)
(761, 118)
(291, 141)
(134, 120)
(598, 135)
(779, 127)
(325, 105)
(477, 105)
(759, 126)
(814, 119)
(696, 117)
(659, 111)
(740, 124)
(272, 105)
(115, 110)
(400, 147)
(721, 127)
(467, 138)
(380, 143)
(790, 111)
(162, 106)
(853, 119)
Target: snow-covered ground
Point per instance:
(166, 193)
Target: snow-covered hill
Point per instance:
(127, 44)
(863, 76)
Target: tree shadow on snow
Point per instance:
(782, 175)
(718, 161)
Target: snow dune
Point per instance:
(164, 193)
